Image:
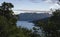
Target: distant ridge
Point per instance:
(33, 16)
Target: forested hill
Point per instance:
(33, 16)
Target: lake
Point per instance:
(25, 24)
(29, 26)
(25, 18)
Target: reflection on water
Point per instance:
(25, 24)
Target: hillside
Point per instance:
(33, 16)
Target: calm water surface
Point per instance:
(25, 24)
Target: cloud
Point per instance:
(47, 1)
(55, 6)
(35, 1)
(51, 1)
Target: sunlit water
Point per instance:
(25, 24)
(25, 18)
(28, 25)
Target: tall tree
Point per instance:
(7, 6)
(8, 26)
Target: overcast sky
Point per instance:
(33, 4)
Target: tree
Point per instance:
(51, 26)
(7, 6)
(8, 26)
(6, 9)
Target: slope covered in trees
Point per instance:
(8, 26)
(51, 26)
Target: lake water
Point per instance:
(26, 17)
(29, 25)
(25, 24)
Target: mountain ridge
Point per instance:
(33, 16)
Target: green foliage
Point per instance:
(7, 6)
(51, 26)
(8, 26)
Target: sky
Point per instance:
(33, 4)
